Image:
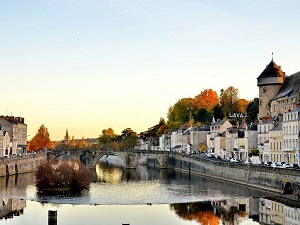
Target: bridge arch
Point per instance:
(288, 189)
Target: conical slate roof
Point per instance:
(272, 70)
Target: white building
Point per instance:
(17, 131)
(291, 133)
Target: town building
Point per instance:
(279, 98)
(275, 144)
(17, 131)
(4, 143)
(217, 130)
(290, 128)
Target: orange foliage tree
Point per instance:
(41, 140)
(242, 105)
(207, 99)
(82, 143)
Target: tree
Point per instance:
(252, 110)
(82, 143)
(217, 112)
(229, 100)
(128, 139)
(73, 143)
(207, 99)
(182, 111)
(41, 140)
(242, 105)
(58, 175)
(107, 139)
(203, 116)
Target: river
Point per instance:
(145, 195)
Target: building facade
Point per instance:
(17, 131)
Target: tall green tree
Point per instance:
(181, 112)
(217, 112)
(203, 116)
(252, 111)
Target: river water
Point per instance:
(145, 195)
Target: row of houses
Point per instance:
(275, 135)
(13, 135)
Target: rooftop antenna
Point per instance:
(272, 56)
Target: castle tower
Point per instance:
(269, 83)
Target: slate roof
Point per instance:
(278, 127)
(272, 70)
(290, 87)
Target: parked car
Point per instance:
(228, 159)
(295, 166)
(287, 165)
(6, 156)
(212, 155)
(277, 165)
(267, 163)
(234, 160)
(248, 162)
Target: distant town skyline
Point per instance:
(89, 65)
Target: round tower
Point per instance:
(269, 83)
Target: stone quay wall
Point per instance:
(25, 164)
(278, 180)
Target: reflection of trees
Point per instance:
(207, 214)
(200, 211)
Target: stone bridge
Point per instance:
(131, 159)
(280, 180)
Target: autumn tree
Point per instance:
(207, 99)
(73, 143)
(229, 100)
(41, 140)
(242, 105)
(107, 139)
(82, 143)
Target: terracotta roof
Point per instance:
(272, 70)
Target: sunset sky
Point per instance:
(89, 65)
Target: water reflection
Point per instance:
(145, 194)
(241, 211)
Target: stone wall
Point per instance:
(272, 179)
(19, 165)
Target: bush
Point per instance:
(62, 176)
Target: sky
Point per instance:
(90, 65)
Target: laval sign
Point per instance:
(237, 115)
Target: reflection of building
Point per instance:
(265, 211)
(277, 210)
(11, 207)
(291, 215)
